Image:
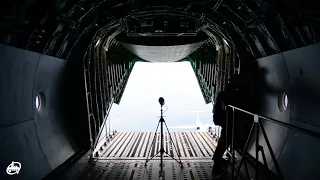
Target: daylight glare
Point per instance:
(139, 109)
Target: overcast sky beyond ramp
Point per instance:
(175, 82)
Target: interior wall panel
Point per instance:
(301, 151)
(19, 139)
(274, 80)
(17, 69)
(300, 154)
(40, 141)
(303, 66)
(296, 73)
(51, 123)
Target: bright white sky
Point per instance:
(139, 108)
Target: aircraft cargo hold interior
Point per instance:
(64, 63)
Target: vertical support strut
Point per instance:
(263, 156)
(244, 151)
(258, 125)
(271, 151)
(232, 143)
(256, 122)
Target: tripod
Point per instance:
(162, 151)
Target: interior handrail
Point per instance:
(302, 130)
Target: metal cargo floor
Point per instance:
(123, 156)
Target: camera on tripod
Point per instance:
(162, 151)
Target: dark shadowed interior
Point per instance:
(64, 63)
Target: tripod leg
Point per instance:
(152, 144)
(172, 141)
(173, 146)
(152, 157)
(173, 157)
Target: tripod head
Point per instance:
(161, 101)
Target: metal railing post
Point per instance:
(244, 151)
(227, 124)
(256, 122)
(232, 143)
(258, 125)
(246, 168)
(271, 151)
(302, 130)
(263, 156)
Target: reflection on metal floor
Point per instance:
(134, 145)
